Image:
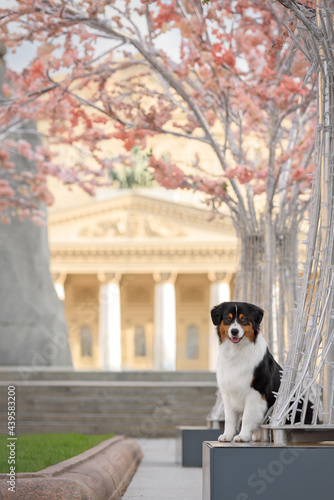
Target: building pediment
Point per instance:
(132, 225)
(138, 232)
(138, 217)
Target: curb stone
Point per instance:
(100, 473)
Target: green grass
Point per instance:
(35, 452)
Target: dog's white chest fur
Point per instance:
(235, 369)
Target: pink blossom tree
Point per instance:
(236, 82)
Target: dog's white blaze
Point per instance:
(235, 325)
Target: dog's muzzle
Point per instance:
(235, 334)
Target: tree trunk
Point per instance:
(268, 277)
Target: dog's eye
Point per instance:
(227, 320)
(243, 321)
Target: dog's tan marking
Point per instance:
(223, 329)
(249, 333)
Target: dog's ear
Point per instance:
(257, 315)
(217, 313)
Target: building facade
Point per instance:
(138, 271)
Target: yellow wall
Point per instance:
(137, 315)
(192, 319)
(82, 314)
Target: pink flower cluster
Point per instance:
(170, 176)
(211, 187)
(240, 172)
(166, 174)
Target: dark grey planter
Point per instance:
(267, 471)
(189, 444)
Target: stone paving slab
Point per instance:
(160, 478)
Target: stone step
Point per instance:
(52, 374)
(133, 408)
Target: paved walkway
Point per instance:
(160, 478)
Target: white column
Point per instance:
(164, 322)
(219, 292)
(110, 323)
(59, 284)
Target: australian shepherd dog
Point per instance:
(247, 374)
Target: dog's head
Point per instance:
(236, 321)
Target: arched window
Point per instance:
(86, 341)
(192, 342)
(140, 341)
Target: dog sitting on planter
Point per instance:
(248, 376)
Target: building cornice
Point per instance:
(145, 258)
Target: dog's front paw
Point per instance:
(242, 438)
(226, 437)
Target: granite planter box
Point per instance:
(267, 471)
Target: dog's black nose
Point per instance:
(235, 331)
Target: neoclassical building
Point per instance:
(138, 271)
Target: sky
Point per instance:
(170, 42)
